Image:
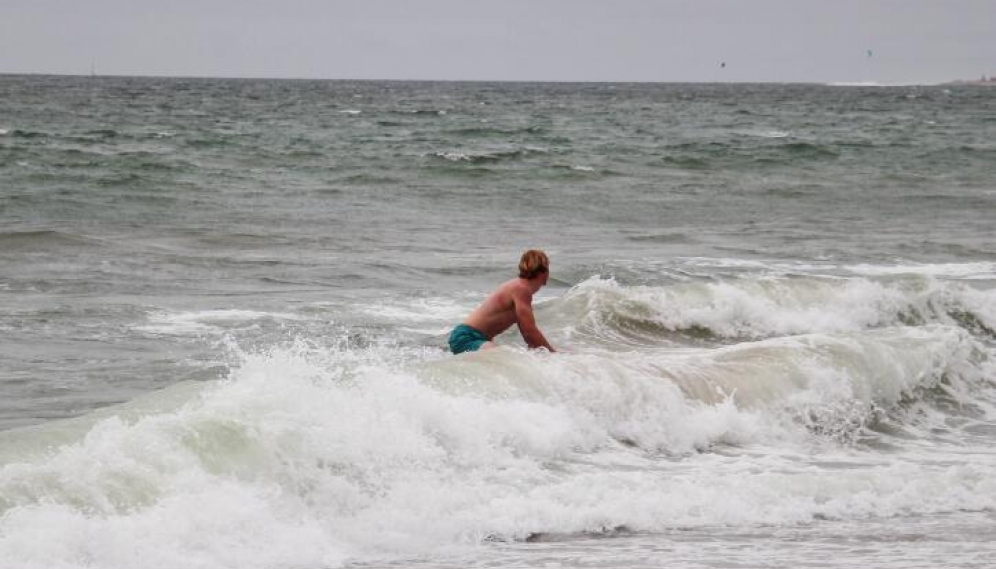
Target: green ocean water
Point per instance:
(223, 309)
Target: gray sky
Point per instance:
(554, 40)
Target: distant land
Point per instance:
(983, 81)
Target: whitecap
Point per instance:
(454, 156)
(206, 321)
(969, 271)
(767, 133)
(767, 306)
(315, 458)
(440, 309)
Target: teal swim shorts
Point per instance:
(464, 338)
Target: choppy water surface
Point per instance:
(223, 307)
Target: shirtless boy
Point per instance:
(511, 304)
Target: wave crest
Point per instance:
(754, 308)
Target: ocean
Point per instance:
(224, 307)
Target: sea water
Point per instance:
(224, 303)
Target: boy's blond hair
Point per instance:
(533, 262)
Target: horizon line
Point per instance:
(837, 83)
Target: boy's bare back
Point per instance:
(511, 303)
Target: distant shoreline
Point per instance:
(991, 82)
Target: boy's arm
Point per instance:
(527, 322)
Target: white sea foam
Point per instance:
(741, 309)
(969, 271)
(454, 156)
(424, 315)
(981, 270)
(206, 321)
(310, 457)
(772, 306)
(763, 266)
(766, 133)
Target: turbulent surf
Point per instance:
(224, 307)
